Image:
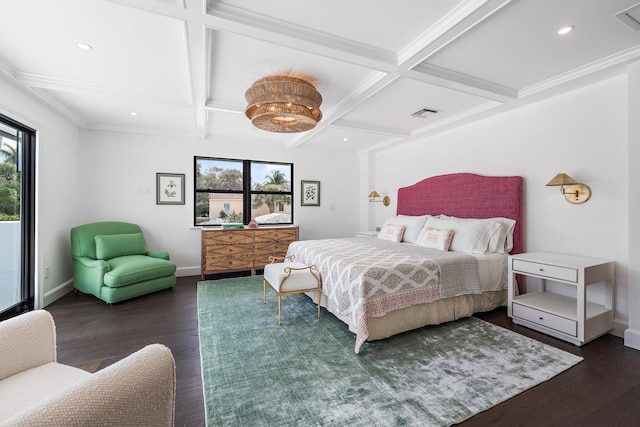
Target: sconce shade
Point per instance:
(573, 191)
(562, 179)
(374, 195)
(283, 104)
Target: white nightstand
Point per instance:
(575, 319)
(366, 233)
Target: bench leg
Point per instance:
(264, 285)
(319, 296)
(279, 308)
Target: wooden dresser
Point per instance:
(244, 248)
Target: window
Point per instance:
(230, 190)
(17, 217)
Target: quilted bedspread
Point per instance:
(368, 277)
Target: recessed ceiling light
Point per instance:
(85, 46)
(346, 139)
(565, 30)
(133, 113)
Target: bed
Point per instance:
(381, 287)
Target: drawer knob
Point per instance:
(541, 318)
(542, 269)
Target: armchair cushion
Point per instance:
(25, 389)
(126, 270)
(114, 245)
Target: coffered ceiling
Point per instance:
(183, 66)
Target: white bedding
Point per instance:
(493, 271)
(367, 278)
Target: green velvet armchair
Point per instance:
(111, 261)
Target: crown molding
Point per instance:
(140, 131)
(626, 56)
(57, 106)
(77, 86)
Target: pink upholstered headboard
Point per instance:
(467, 195)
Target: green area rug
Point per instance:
(306, 373)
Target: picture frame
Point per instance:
(309, 193)
(169, 188)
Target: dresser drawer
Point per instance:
(226, 264)
(545, 270)
(227, 237)
(277, 234)
(558, 323)
(228, 251)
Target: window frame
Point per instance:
(27, 167)
(247, 192)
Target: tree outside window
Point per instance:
(230, 190)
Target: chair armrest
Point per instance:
(26, 341)
(159, 254)
(88, 274)
(139, 390)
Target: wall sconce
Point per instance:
(575, 192)
(374, 195)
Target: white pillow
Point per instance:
(509, 225)
(413, 226)
(473, 236)
(501, 242)
(436, 239)
(392, 232)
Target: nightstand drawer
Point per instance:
(545, 270)
(561, 324)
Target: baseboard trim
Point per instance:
(618, 328)
(57, 292)
(188, 271)
(632, 338)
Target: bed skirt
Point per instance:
(417, 316)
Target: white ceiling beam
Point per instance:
(375, 83)
(468, 17)
(198, 62)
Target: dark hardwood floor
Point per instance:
(603, 390)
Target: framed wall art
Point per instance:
(310, 193)
(169, 189)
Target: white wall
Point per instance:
(582, 133)
(632, 335)
(119, 172)
(58, 207)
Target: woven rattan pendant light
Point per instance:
(283, 104)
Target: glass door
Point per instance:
(17, 214)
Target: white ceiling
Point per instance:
(184, 65)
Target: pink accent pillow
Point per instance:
(392, 232)
(436, 238)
